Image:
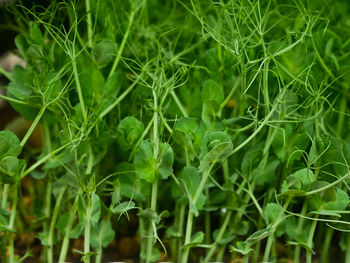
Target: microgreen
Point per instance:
(219, 127)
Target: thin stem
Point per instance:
(87, 230)
(178, 103)
(219, 236)
(347, 253)
(102, 234)
(122, 45)
(150, 227)
(273, 229)
(4, 196)
(3, 207)
(88, 22)
(188, 236)
(207, 233)
(141, 226)
(8, 75)
(65, 243)
(47, 210)
(190, 214)
(12, 258)
(180, 229)
(298, 230)
(33, 126)
(326, 246)
(53, 224)
(342, 109)
(309, 240)
(77, 83)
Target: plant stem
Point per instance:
(270, 239)
(347, 253)
(187, 236)
(309, 240)
(8, 75)
(4, 196)
(178, 103)
(141, 226)
(32, 127)
(207, 219)
(87, 229)
(88, 22)
(102, 234)
(47, 211)
(77, 83)
(326, 246)
(342, 109)
(180, 229)
(190, 214)
(3, 207)
(47, 207)
(52, 225)
(219, 236)
(298, 230)
(12, 223)
(150, 227)
(66, 238)
(122, 45)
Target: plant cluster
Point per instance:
(221, 125)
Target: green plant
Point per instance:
(220, 125)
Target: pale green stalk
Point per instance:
(122, 45)
(65, 243)
(12, 258)
(155, 183)
(33, 126)
(270, 239)
(310, 239)
(87, 230)
(52, 226)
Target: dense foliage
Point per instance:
(222, 126)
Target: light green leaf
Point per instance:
(166, 161)
(103, 52)
(95, 209)
(129, 132)
(144, 162)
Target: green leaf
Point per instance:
(305, 176)
(259, 235)
(21, 44)
(242, 248)
(165, 161)
(109, 92)
(127, 180)
(129, 132)
(123, 207)
(92, 81)
(217, 147)
(212, 91)
(103, 52)
(107, 238)
(196, 239)
(188, 134)
(20, 88)
(272, 212)
(95, 209)
(340, 203)
(268, 174)
(13, 168)
(144, 162)
(209, 111)
(9, 144)
(154, 257)
(191, 177)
